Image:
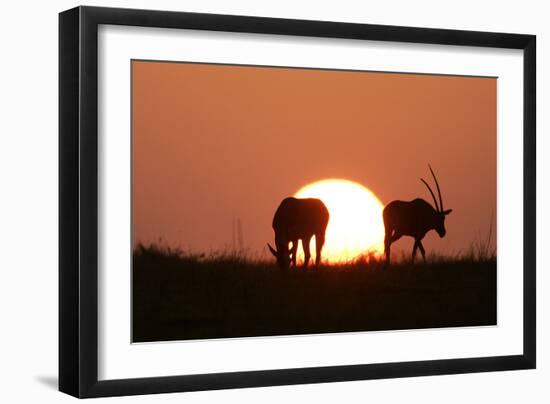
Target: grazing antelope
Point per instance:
(414, 218)
(299, 219)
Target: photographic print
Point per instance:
(284, 201)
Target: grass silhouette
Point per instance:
(179, 296)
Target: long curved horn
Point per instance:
(438, 190)
(431, 192)
(273, 251)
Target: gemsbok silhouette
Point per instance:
(299, 219)
(414, 218)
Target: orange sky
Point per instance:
(213, 143)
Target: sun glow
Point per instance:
(355, 227)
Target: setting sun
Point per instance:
(355, 227)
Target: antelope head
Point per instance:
(440, 213)
(283, 258)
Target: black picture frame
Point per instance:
(78, 201)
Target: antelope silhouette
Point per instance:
(299, 219)
(414, 218)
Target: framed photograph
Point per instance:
(249, 201)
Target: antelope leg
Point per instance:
(319, 242)
(388, 239)
(293, 252)
(414, 250)
(307, 254)
(422, 251)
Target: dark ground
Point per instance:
(177, 297)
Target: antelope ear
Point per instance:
(273, 251)
(446, 212)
